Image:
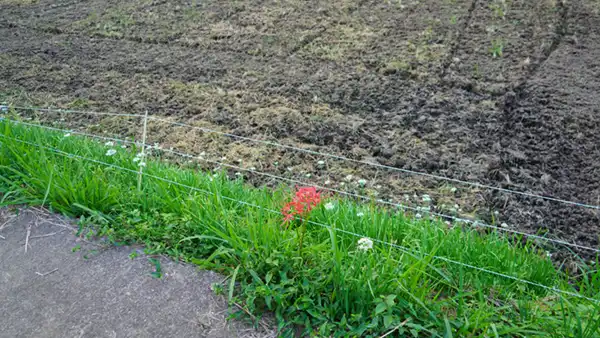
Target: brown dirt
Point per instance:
(411, 84)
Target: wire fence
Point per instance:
(413, 252)
(455, 218)
(323, 154)
(472, 222)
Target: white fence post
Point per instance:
(142, 162)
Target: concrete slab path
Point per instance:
(63, 286)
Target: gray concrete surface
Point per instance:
(57, 290)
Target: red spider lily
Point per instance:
(303, 202)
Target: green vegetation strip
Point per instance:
(317, 280)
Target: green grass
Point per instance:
(328, 287)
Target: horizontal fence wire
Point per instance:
(318, 153)
(411, 252)
(382, 166)
(472, 222)
(74, 132)
(71, 111)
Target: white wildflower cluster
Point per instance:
(329, 206)
(365, 244)
(111, 152)
(139, 157)
(455, 209)
(424, 209)
(348, 180)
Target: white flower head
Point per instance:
(124, 146)
(365, 244)
(67, 135)
(321, 163)
(111, 152)
(362, 182)
(328, 182)
(360, 214)
(329, 206)
(418, 216)
(426, 198)
(349, 178)
(504, 225)
(142, 164)
(109, 144)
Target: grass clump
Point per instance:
(315, 276)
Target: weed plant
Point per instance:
(317, 277)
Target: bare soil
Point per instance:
(503, 93)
